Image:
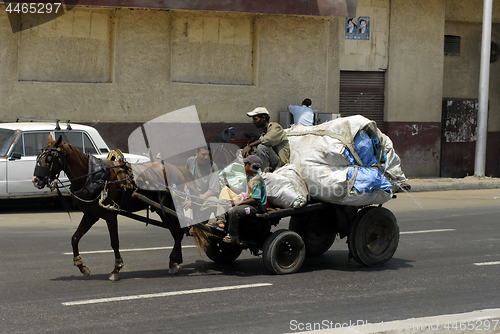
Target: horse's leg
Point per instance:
(112, 223)
(85, 224)
(176, 254)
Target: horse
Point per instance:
(58, 156)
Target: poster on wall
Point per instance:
(357, 28)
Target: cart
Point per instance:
(372, 236)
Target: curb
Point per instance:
(453, 184)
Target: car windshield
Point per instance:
(6, 138)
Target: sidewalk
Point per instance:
(466, 183)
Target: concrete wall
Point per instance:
(461, 73)
(414, 78)
(461, 76)
(75, 47)
(414, 83)
(144, 67)
(469, 11)
(372, 54)
(117, 67)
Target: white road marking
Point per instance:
(487, 263)
(192, 246)
(164, 294)
(129, 250)
(428, 231)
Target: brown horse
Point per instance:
(58, 156)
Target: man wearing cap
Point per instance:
(272, 146)
(254, 201)
(303, 114)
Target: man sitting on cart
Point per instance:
(254, 201)
(206, 181)
(272, 146)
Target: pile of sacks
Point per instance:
(346, 161)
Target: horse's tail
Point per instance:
(200, 239)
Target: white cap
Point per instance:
(258, 111)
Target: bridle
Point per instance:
(49, 155)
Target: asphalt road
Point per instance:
(448, 261)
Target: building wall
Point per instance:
(461, 73)
(414, 83)
(143, 67)
(461, 76)
(138, 64)
(372, 54)
(115, 68)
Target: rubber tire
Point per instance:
(315, 246)
(222, 252)
(352, 234)
(283, 252)
(376, 237)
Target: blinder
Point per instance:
(48, 155)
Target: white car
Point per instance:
(21, 142)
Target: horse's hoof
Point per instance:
(114, 277)
(173, 270)
(86, 272)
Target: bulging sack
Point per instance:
(285, 187)
(346, 161)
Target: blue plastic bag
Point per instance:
(364, 146)
(369, 179)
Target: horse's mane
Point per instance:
(82, 156)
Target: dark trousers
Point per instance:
(234, 215)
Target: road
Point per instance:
(448, 261)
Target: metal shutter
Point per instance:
(362, 93)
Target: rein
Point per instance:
(50, 154)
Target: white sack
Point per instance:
(318, 153)
(285, 187)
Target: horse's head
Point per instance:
(49, 163)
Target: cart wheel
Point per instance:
(352, 234)
(315, 244)
(374, 238)
(222, 252)
(283, 252)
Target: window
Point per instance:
(451, 45)
(87, 145)
(79, 140)
(19, 147)
(34, 142)
(6, 138)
